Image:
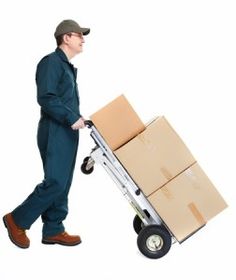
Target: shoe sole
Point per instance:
(10, 236)
(49, 242)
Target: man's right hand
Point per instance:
(78, 124)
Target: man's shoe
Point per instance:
(16, 234)
(63, 239)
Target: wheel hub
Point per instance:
(154, 242)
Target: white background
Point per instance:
(172, 58)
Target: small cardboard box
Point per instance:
(155, 156)
(117, 122)
(187, 202)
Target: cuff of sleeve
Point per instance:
(72, 118)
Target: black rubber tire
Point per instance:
(147, 248)
(138, 224)
(86, 159)
(84, 170)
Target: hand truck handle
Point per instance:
(88, 123)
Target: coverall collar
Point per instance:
(62, 55)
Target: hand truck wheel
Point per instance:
(154, 241)
(137, 222)
(86, 167)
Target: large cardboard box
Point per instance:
(117, 122)
(187, 202)
(155, 156)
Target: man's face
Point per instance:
(75, 42)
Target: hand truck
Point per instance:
(154, 238)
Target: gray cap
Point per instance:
(69, 25)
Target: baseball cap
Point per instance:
(70, 25)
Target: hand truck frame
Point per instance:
(154, 238)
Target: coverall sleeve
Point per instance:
(48, 77)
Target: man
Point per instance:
(58, 136)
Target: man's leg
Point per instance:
(57, 146)
(53, 228)
(54, 216)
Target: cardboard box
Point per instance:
(155, 156)
(187, 202)
(117, 122)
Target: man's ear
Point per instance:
(66, 38)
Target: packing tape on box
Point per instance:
(196, 213)
(167, 193)
(166, 173)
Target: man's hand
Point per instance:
(78, 124)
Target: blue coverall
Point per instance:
(58, 96)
